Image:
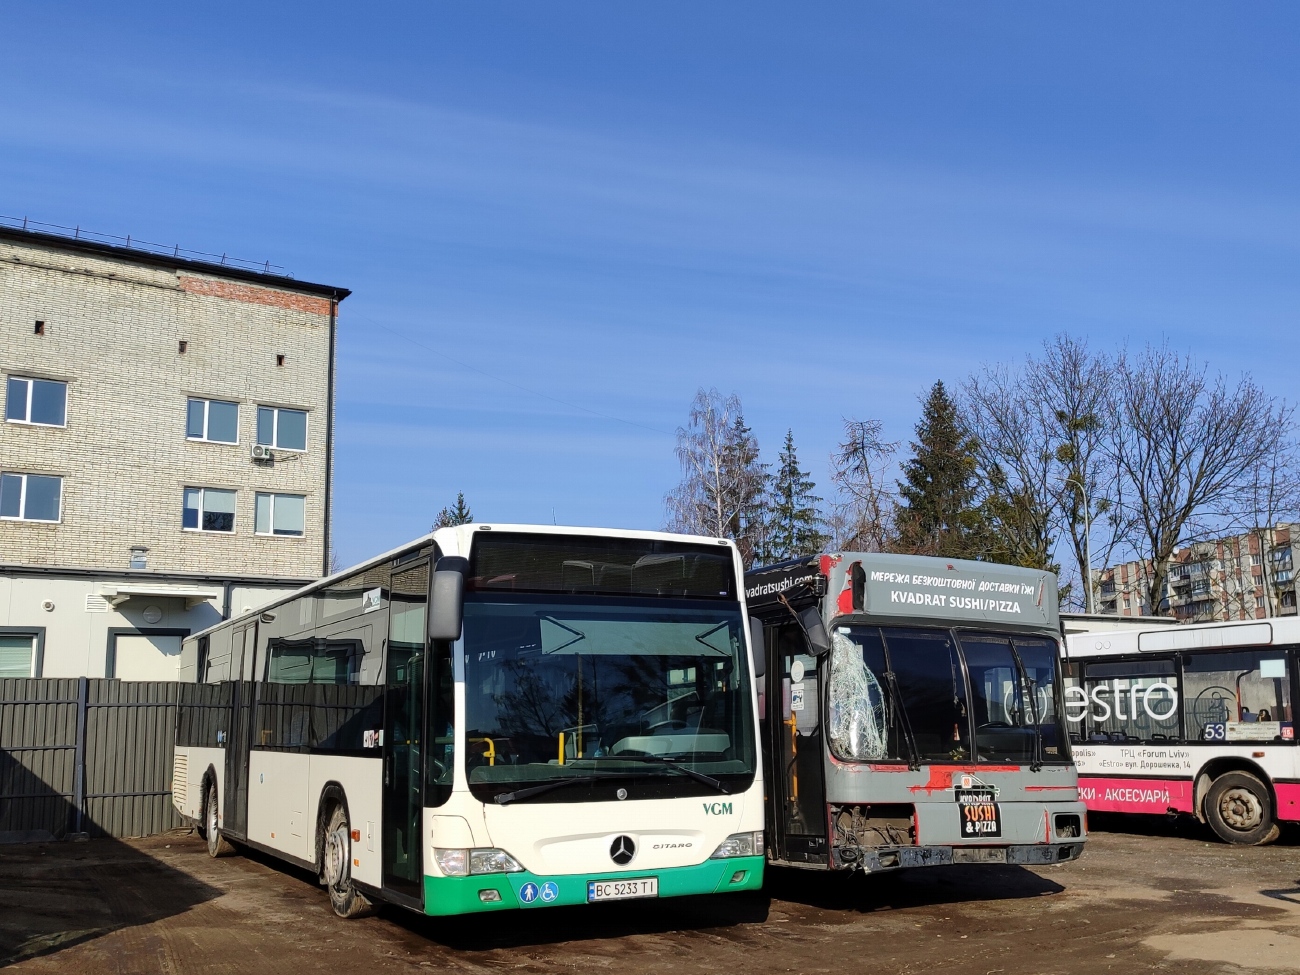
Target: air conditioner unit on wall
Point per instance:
(262, 452)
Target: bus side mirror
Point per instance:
(810, 620)
(757, 651)
(446, 598)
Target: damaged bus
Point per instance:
(489, 717)
(911, 714)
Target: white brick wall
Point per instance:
(112, 332)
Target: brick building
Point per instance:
(1248, 576)
(166, 450)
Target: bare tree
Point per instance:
(863, 518)
(1078, 389)
(1186, 446)
(723, 487)
(1015, 441)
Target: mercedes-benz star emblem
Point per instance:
(621, 793)
(622, 850)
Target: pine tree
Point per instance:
(939, 514)
(795, 525)
(452, 516)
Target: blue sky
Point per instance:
(561, 219)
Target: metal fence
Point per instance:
(93, 756)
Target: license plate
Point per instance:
(619, 890)
(980, 815)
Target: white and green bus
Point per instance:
(489, 717)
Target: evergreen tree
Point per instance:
(749, 480)
(939, 514)
(795, 526)
(452, 516)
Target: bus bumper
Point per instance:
(882, 860)
(495, 892)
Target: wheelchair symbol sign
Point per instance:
(550, 891)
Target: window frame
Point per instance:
(234, 516)
(207, 402)
(22, 499)
(271, 520)
(275, 427)
(31, 382)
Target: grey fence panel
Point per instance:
(38, 739)
(93, 755)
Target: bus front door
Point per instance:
(403, 777)
(797, 808)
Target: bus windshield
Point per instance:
(924, 695)
(608, 692)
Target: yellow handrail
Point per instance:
(490, 753)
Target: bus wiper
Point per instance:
(708, 780)
(505, 798)
(898, 707)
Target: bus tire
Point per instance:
(346, 900)
(218, 845)
(1239, 810)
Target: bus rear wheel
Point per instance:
(346, 900)
(1239, 810)
(218, 845)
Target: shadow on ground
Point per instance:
(923, 887)
(55, 895)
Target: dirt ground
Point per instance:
(1144, 898)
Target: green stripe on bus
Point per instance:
(460, 895)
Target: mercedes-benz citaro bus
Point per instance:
(911, 714)
(490, 717)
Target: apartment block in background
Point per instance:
(165, 452)
(1240, 577)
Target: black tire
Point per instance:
(1239, 810)
(336, 866)
(218, 845)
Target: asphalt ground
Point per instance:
(1145, 897)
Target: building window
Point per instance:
(17, 655)
(282, 429)
(209, 510)
(30, 497)
(1288, 598)
(213, 420)
(1259, 602)
(1255, 559)
(39, 401)
(280, 514)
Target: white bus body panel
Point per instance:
(553, 838)
(193, 762)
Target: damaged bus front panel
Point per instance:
(912, 714)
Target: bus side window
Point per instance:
(1238, 695)
(1129, 701)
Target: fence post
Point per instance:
(79, 762)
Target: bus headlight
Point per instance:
(740, 845)
(463, 863)
(492, 861)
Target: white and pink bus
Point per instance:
(1189, 719)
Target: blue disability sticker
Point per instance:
(528, 893)
(550, 891)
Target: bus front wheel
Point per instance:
(218, 845)
(1239, 810)
(346, 900)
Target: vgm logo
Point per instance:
(1158, 700)
(717, 808)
